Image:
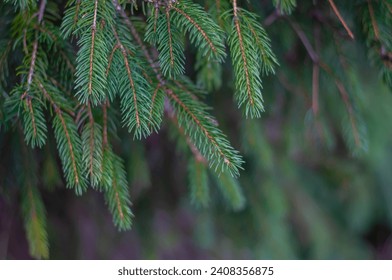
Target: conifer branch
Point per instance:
(91, 142)
(183, 87)
(268, 59)
(130, 78)
(134, 33)
(31, 111)
(116, 189)
(170, 38)
(93, 30)
(71, 149)
(105, 124)
(35, 45)
(76, 16)
(248, 62)
(243, 55)
(68, 145)
(117, 197)
(116, 46)
(92, 148)
(92, 56)
(156, 11)
(155, 96)
(197, 26)
(32, 65)
(71, 18)
(33, 120)
(195, 151)
(134, 90)
(215, 147)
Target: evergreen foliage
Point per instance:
(285, 6)
(251, 54)
(73, 75)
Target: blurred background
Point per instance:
(317, 182)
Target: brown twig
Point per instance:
(302, 36)
(374, 23)
(337, 13)
(316, 74)
(346, 99)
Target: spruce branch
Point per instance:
(285, 6)
(93, 30)
(70, 151)
(203, 131)
(193, 116)
(169, 41)
(89, 81)
(35, 46)
(203, 31)
(92, 57)
(116, 189)
(34, 122)
(68, 145)
(267, 58)
(70, 19)
(169, 110)
(250, 52)
(156, 107)
(131, 82)
(135, 91)
(23, 4)
(378, 37)
(105, 124)
(113, 179)
(92, 149)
